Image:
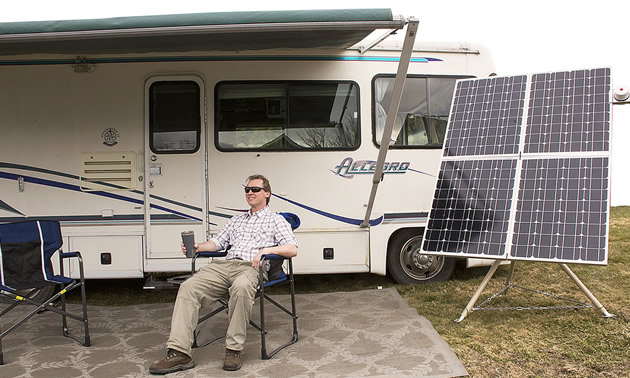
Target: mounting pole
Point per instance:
(586, 291)
(481, 288)
(399, 84)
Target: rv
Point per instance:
(131, 130)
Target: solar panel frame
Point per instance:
(564, 126)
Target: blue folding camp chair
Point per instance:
(26, 250)
(276, 276)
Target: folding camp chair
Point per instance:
(276, 276)
(26, 250)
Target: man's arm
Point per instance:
(207, 246)
(285, 250)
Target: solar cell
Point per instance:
(545, 139)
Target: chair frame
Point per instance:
(260, 293)
(48, 304)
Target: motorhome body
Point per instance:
(128, 149)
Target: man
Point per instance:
(249, 235)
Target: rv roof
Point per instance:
(232, 31)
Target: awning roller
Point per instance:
(233, 31)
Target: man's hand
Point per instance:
(196, 246)
(256, 260)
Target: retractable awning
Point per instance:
(226, 31)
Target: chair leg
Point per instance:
(263, 331)
(85, 314)
(64, 321)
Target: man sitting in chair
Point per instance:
(249, 235)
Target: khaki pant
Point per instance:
(236, 277)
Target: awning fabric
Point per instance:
(225, 31)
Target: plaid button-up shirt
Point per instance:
(246, 234)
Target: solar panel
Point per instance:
(561, 213)
(545, 138)
(472, 207)
(569, 112)
(486, 117)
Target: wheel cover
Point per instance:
(417, 265)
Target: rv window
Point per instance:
(286, 116)
(174, 116)
(423, 113)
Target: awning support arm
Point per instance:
(399, 84)
(364, 49)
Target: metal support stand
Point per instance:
(471, 304)
(475, 297)
(586, 291)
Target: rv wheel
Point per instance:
(407, 265)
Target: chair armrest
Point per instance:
(77, 255)
(64, 255)
(204, 254)
(211, 254)
(272, 256)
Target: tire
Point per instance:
(407, 265)
(39, 296)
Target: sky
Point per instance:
(523, 37)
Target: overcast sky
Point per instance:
(524, 37)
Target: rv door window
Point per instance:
(279, 116)
(174, 116)
(423, 113)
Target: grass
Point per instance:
(538, 343)
(507, 343)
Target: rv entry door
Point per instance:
(175, 184)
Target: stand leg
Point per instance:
(586, 292)
(481, 288)
(509, 276)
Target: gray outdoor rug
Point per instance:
(353, 334)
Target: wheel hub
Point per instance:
(421, 261)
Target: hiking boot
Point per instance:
(174, 361)
(232, 360)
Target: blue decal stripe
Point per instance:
(99, 219)
(76, 188)
(424, 173)
(217, 59)
(373, 222)
(74, 177)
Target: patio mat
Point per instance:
(354, 334)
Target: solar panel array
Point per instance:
(525, 169)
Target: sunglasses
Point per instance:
(254, 189)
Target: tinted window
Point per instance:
(287, 116)
(174, 116)
(423, 114)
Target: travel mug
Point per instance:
(188, 237)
